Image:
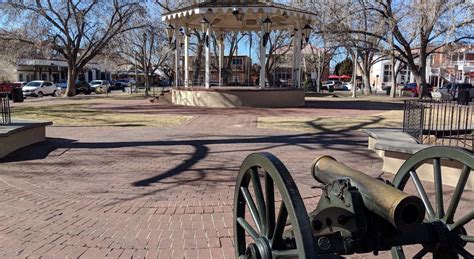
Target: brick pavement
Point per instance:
(146, 192)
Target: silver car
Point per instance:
(40, 89)
(100, 86)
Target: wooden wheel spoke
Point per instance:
(464, 253)
(423, 195)
(259, 199)
(456, 198)
(252, 208)
(285, 253)
(280, 226)
(466, 238)
(270, 205)
(246, 226)
(463, 221)
(420, 254)
(438, 181)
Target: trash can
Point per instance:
(464, 96)
(331, 88)
(388, 89)
(17, 95)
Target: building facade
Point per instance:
(312, 60)
(453, 65)
(49, 67)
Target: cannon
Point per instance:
(355, 213)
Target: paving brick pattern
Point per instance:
(146, 192)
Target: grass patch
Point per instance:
(74, 114)
(391, 119)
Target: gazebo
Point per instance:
(219, 17)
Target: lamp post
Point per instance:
(204, 27)
(145, 64)
(267, 26)
(205, 34)
(169, 33)
(307, 32)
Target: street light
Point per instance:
(169, 33)
(307, 32)
(267, 27)
(204, 28)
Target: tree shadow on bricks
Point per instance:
(326, 140)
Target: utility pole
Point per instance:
(354, 73)
(393, 90)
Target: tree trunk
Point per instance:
(367, 87)
(198, 61)
(71, 81)
(393, 90)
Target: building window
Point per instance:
(236, 61)
(387, 73)
(44, 77)
(20, 77)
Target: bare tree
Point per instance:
(279, 46)
(419, 28)
(77, 29)
(144, 48)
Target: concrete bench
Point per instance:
(21, 133)
(395, 147)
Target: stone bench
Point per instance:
(21, 133)
(395, 147)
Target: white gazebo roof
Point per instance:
(239, 15)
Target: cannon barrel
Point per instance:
(402, 210)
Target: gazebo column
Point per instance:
(177, 56)
(221, 57)
(186, 57)
(207, 75)
(262, 78)
(297, 58)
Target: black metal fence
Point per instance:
(442, 123)
(5, 112)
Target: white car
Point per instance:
(347, 86)
(100, 86)
(40, 89)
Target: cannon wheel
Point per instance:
(267, 239)
(455, 231)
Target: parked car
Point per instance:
(332, 84)
(20, 83)
(83, 87)
(414, 89)
(451, 91)
(122, 83)
(40, 89)
(347, 86)
(100, 86)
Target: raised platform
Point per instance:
(234, 97)
(395, 147)
(21, 133)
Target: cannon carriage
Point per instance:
(355, 213)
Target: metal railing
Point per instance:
(439, 123)
(5, 111)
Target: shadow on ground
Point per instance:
(325, 140)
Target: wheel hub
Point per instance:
(261, 249)
(447, 242)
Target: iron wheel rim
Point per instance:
(270, 226)
(438, 214)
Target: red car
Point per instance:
(12, 89)
(414, 88)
